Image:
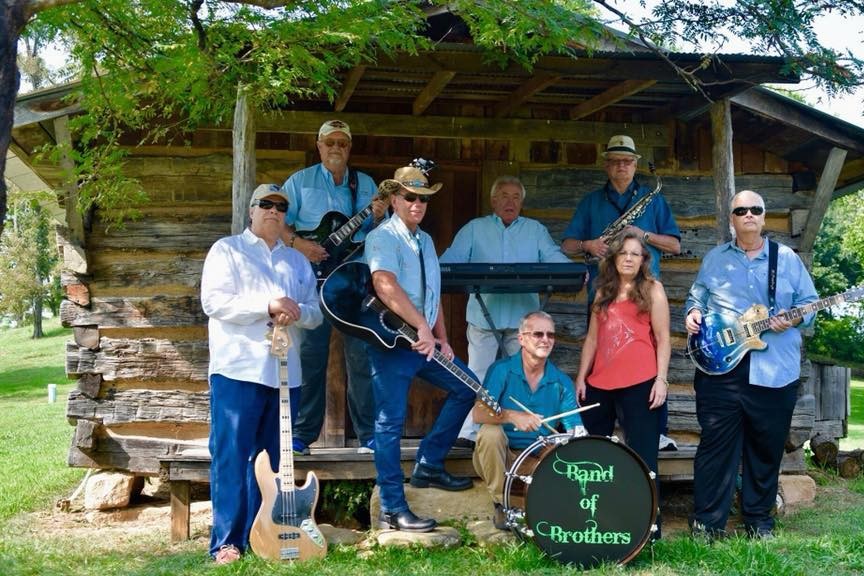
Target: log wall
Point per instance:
(140, 345)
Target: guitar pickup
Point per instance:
(727, 337)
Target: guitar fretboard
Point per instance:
(351, 226)
(286, 441)
(759, 326)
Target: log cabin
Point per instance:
(140, 339)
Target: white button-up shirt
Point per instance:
(240, 277)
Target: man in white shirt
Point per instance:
(249, 281)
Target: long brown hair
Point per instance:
(609, 282)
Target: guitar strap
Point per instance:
(772, 274)
(352, 185)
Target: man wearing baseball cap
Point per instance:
(656, 226)
(407, 279)
(313, 193)
(250, 280)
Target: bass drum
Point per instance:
(583, 501)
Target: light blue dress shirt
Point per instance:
(730, 282)
(312, 193)
(393, 248)
(487, 240)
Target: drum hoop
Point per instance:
(554, 441)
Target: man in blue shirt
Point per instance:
(600, 208)
(407, 279)
(745, 414)
(530, 378)
(502, 237)
(312, 193)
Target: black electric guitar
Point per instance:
(334, 234)
(285, 528)
(723, 338)
(348, 300)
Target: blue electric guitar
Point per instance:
(349, 301)
(725, 338)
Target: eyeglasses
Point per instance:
(411, 198)
(742, 210)
(621, 162)
(331, 143)
(268, 204)
(538, 334)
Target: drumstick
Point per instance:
(576, 411)
(525, 408)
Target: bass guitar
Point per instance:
(285, 528)
(724, 338)
(349, 301)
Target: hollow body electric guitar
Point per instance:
(285, 528)
(349, 301)
(725, 338)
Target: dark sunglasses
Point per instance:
(742, 210)
(268, 204)
(538, 334)
(411, 198)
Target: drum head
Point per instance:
(591, 501)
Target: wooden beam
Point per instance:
(609, 97)
(349, 86)
(74, 222)
(301, 122)
(824, 193)
(438, 82)
(792, 114)
(243, 144)
(535, 84)
(722, 162)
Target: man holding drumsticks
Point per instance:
(528, 387)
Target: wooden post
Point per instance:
(74, 256)
(723, 165)
(243, 144)
(824, 193)
(180, 509)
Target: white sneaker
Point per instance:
(667, 444)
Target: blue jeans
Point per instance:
(392, 373)
(244, 419)
(314, 355)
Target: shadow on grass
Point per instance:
(30, 382)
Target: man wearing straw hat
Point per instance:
(528, 387)
(656, 226)
(407, 279)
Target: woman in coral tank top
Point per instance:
(625, 358)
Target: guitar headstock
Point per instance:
(853, 294)
(424, 165)
(280, 340)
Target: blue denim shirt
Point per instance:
(730, 282)
(602, 207)
(554, 395)
(487, 240)
(312, 193)
(392, 247)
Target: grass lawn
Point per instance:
(824, 539)
(855, 437)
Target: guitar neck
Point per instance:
(760, 326)
(286, 441)
(347, 230)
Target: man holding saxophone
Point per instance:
(597, 216)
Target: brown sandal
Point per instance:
(227, 554)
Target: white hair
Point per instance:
(503, 180)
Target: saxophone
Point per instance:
(630, 215)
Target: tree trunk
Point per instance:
(12, 20)
(824, 451)
(37, 317)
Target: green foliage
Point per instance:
(841, 339)
(28, 259)
(346, 502)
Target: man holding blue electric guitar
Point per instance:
(331, 209)
(746, 387)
